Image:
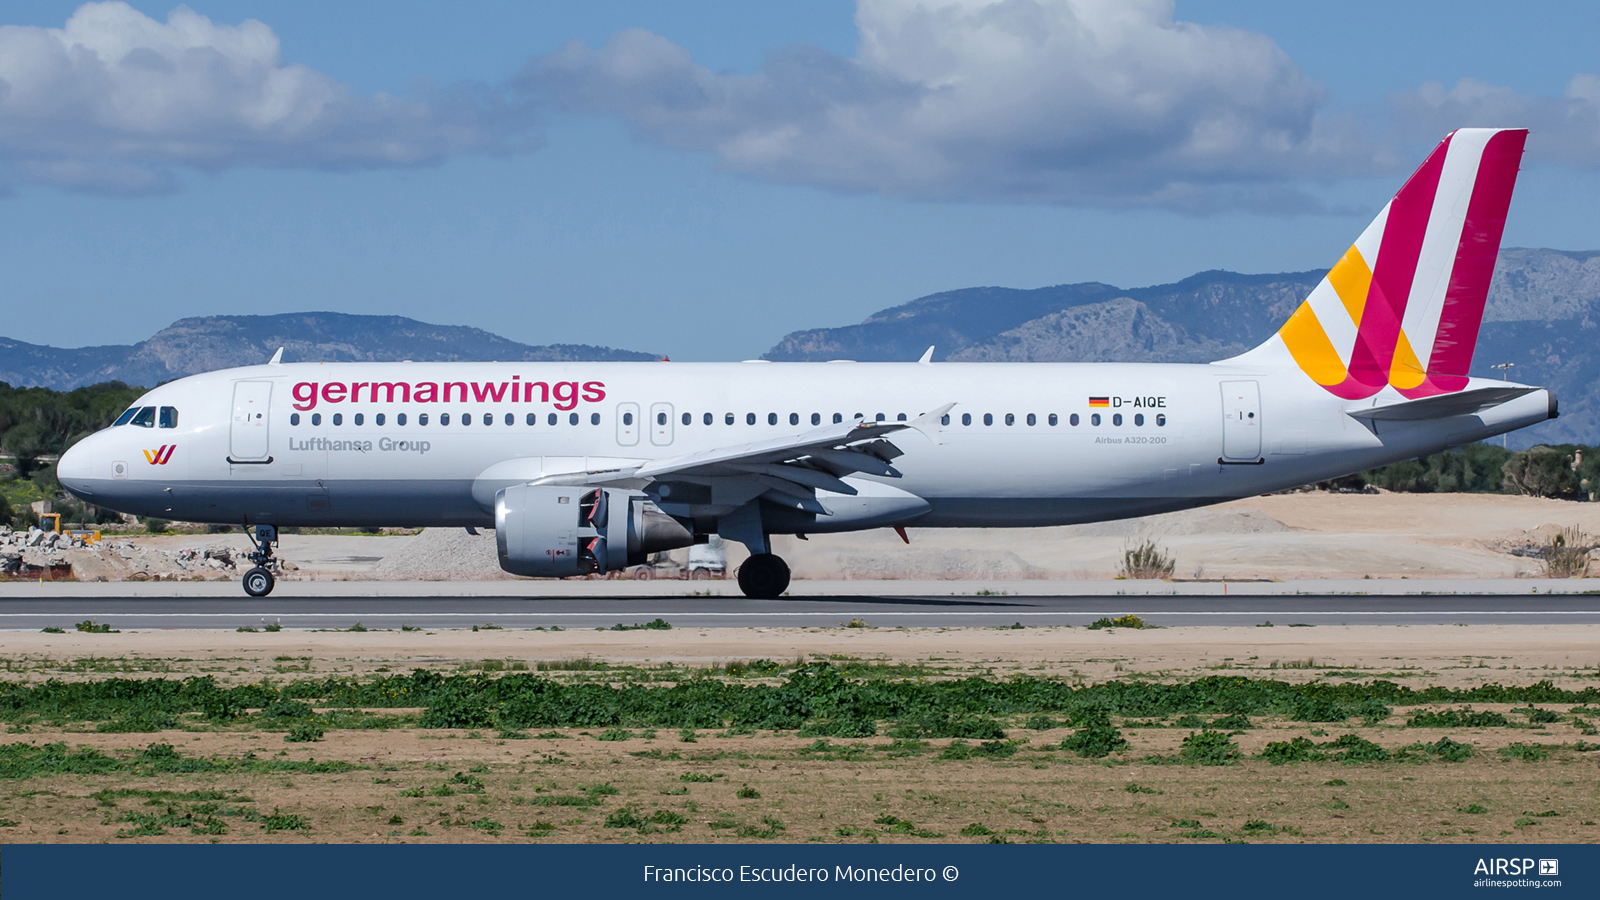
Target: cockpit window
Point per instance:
(123, 419)
(169, 417)
(145, 418)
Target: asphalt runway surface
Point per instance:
(809, 612)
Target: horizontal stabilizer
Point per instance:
(1443, 406)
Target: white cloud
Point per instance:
(1092, 102)
(1563, 130)
(115, 100)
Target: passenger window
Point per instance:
(1011, 419)
(400, 418)
(1074, 419)
(146, 417)
(316, 418)
(1138, 418)
(422, 418)
(772, 418)
(594, 418)
(444, 419)
(378, 419)
(338, 418)
(900, 418)
(510, 420)
(533, 418)
(359, 418)
(572, 419)
(466, 418)
(837, 418)
(794, 418)
(1032, 419)
(816, 418)
(1053, 420)
(988, 418)
(627, 419)
(728, 418)
(126, 416)
(749, 418)
(488, 418)
(1116, 419)
(1094, 419)
(944, 419)
(966, 418)
(1161, 420)
(880, 417)
(688, 418)
(707, 418)
(661, 418)
(169, 417)
(294, 418)
(552, 419)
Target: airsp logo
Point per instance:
(1502, 866)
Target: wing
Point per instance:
(786, 470)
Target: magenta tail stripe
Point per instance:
(1403, 233)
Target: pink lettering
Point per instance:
(306, 393)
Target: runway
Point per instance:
(343, 612)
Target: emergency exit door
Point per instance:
(1241, 421)
(661, 424)
(247, 436)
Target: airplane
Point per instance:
(585, 468)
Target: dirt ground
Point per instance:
(411, 784)
(1445, 655)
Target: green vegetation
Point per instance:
(1128, 621)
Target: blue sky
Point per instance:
(701, 178)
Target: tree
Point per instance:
(1541, 472)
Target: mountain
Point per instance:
(1542, 315)
(190, 346)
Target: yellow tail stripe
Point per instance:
(1405, 371)
(1309, 345)
(1351, 278)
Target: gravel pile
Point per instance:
(31, 552)
(444, 554)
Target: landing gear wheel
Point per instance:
(764, 577)
(258, 582)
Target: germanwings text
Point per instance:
(564, 394)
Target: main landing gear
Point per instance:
(259, 581)
(764, 577)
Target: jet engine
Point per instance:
(552, 531)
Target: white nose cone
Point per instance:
(75, 468)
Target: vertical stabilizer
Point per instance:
(1403, 305)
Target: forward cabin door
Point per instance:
(247, 437)
(1241, 421)
(661, 424)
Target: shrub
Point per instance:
(1095, 740)
(304, 732)
(1457, 718)
(1540, 472)
(1209, 748)
(1566, 554)
(1040, 723)
(1146, 561)
(747, 793)
(1525, 752)
(1128, 621)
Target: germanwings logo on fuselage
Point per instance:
(160, 455)
(563, 395)
(1404, 305)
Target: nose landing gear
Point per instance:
(259, 581)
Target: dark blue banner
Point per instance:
(245, 872)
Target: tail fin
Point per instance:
(1403, 306)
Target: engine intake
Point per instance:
(554, 531)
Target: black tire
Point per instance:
(258, 582)
(764, 577)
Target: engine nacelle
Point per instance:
(553, 531)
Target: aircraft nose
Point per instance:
(76, 467)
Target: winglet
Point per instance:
(277, 358)
(927, 358)
(929, 423)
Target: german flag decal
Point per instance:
(1099, 401)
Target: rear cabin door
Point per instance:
(247, 438)
(1241, 421)
(661, 424)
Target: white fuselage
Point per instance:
(304, 444)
